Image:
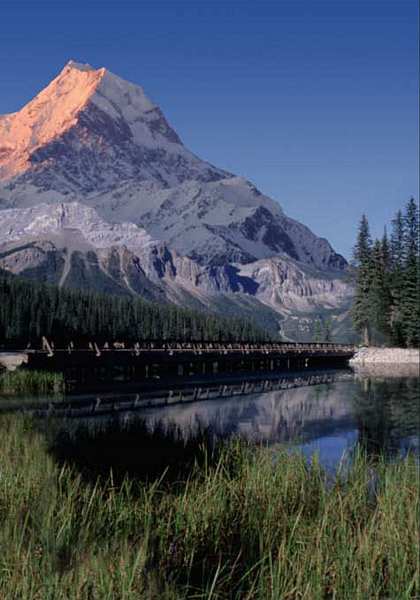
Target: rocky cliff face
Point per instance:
(97, 190)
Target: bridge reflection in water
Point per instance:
(329, 412)
(381, 415)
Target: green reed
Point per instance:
(25, 381)
(239, 525)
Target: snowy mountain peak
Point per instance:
(116, 96)
(50, 114)
(72, 64)
(98, 191)
(87, 102)
(120, 99)
(94, 138)
(90, 131)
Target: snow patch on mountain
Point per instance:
(41, 221)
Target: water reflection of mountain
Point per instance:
(382, 413)
(379, 413)
(278, 416)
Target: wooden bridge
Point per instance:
(156, 359)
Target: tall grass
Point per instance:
(22, 381)
(237, 526)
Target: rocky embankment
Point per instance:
(391, 356)
(12, 360)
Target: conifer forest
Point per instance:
(29, 311)
(386, 308)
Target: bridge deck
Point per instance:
(94, 365)
(178, 348)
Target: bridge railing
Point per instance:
(174, 346)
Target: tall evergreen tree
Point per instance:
(317, 334)
(397, 240)
(386, 264)
(379, 293)
(396, 277)
(327, 330)
(410, 308)
(386, 251)
(362, 260)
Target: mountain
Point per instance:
(97, 190)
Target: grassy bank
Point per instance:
(25, 381)
(236, 526)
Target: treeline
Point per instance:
(322, 331)
(386, 308)
(29, 311)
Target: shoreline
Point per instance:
(10, 361)
(386, 356)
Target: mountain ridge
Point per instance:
(95, 144)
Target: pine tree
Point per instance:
(397, 241)
(386, 251)
(362, 258)
(410, 304)
(327, 330)
(396, 279)
(317, 335)
(379, 292)
(386, 264)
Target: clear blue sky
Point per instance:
(315, 101)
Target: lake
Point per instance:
(379, 413)
(328, 413)
(376, 410)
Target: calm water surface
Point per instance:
(379, 411)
